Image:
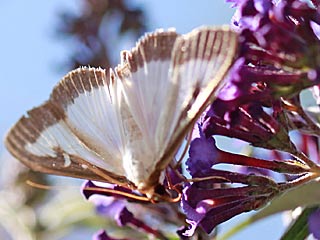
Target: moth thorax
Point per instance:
(154, 193)
(153, 188)
(147, 190)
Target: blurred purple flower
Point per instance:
(110, 205)
(314, 224)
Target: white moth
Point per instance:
(125, 125)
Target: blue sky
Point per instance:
(31, 55)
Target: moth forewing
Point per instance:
(144, 75)
(125, 127)
(220, 54)
(200, 62)
(145, 78)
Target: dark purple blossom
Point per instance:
(277, 60)
(259, 104)
(209, 203)
(213, 199)
(202, 156)
(314, 224)
(110, 190)
(280, 32)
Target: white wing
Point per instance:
(127, 125)
(90, 100)
(144, 73)
(201, 59)
(168, 81)
(78, 132)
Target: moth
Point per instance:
(124, 126)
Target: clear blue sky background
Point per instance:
(31, 54)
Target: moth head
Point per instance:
(159, 193)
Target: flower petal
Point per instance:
(314, 224)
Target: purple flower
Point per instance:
(109, 190)
(213, 200)
(278, 59)
(208, 203)
(249, 122)
(124, 217)
(275, 37)
(314, 224)
(240, 109)
(106, 206)
(202, 156)
(282, 31)
(113, 205)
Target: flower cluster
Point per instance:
(130, 213)
(259, 104)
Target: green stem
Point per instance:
(299, 229)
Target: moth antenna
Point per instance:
(103, 175)
(38, 185)
(46, 187)
(96, 189)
